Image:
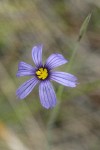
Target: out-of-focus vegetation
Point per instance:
(56, 24)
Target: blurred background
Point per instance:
(56, 24)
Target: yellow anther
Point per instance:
(42, 73)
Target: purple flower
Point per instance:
(43, 74)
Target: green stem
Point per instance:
(55, 111)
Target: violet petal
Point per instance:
(55, 60)
(26, 88)
(37, 55)
(25, 69)
(47, 94)
(63, 78)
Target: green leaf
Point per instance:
(84, 27)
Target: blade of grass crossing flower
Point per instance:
(84, 27)
(55, 112)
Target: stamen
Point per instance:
(42, 73)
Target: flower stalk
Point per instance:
(55, 112)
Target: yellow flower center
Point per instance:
(42, 73)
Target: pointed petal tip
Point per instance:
(37, 46)
(49, 107)
(18, 97)
(74, 84)
(77, 83)
(61, 56)
(17, 75)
